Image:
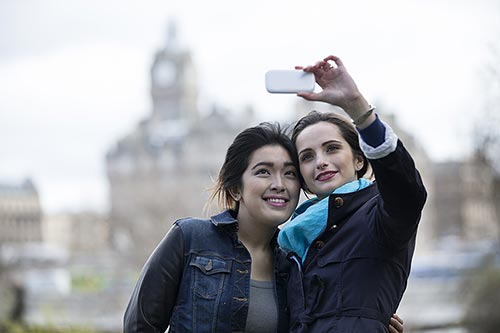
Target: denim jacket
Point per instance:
(198, 280)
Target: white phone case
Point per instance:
(289, 81)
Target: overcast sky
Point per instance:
(74, 75)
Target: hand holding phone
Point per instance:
(289, 81)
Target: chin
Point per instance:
(278, 219)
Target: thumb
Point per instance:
(310, 96)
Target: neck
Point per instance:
(255, 236)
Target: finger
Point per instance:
(326, 66)
(392, 329)
(308, 69)
(299, 67)
(335, 59)
(318, 65)
(318, 69)
(310, 96)
(331, 57)
(397, 324)
(398, 318)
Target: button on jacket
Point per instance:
(198, 280)
(355, 273)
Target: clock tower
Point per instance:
(173, 84)
(161, 171)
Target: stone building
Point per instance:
(467, 195)
(83, 232)
(161, 171)
(20, 213)
(20, 227)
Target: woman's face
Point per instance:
(326, 159)
(270, 187)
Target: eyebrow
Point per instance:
(271, 164)
(322, 145)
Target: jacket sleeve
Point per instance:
(402, 192)
(402, 195)
(154, 296)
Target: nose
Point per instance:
(320, 163)
(277, 184)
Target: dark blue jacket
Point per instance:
(356, 271)
(198, 280)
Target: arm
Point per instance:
(401, 188)
(155, 293)
(399, 183)
(338, 88)
(402, 192)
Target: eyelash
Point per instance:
(329, 149)
(261, 171)
(305, 157)
(264, 171)
(332, 147)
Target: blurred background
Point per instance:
(115, 117)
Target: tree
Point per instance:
(486, 133)
(482, 308)
(481, 314)
(487, 129)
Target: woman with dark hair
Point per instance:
(226, 273)
(351, 246)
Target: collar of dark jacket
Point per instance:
(350, 203)
(227, 220)
(223, 218)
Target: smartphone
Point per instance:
(289, 81)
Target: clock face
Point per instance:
(164, 74)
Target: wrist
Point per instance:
(356, 107)
(366, 119)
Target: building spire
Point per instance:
(172, 38)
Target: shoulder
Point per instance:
(192, 226)
(190, 222)
(224, 218)
(201, 233)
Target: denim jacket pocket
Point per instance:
(210, 277)
(209, 274)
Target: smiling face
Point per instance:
(270, 187)
(325, 158)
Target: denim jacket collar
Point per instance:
(228, 219)
(224, 218)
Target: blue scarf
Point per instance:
(298, 234)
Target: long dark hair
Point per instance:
(238, 155)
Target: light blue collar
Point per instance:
(309, 220)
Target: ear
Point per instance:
(235, 194)
(358, 163)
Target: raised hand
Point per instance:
(338, 87)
